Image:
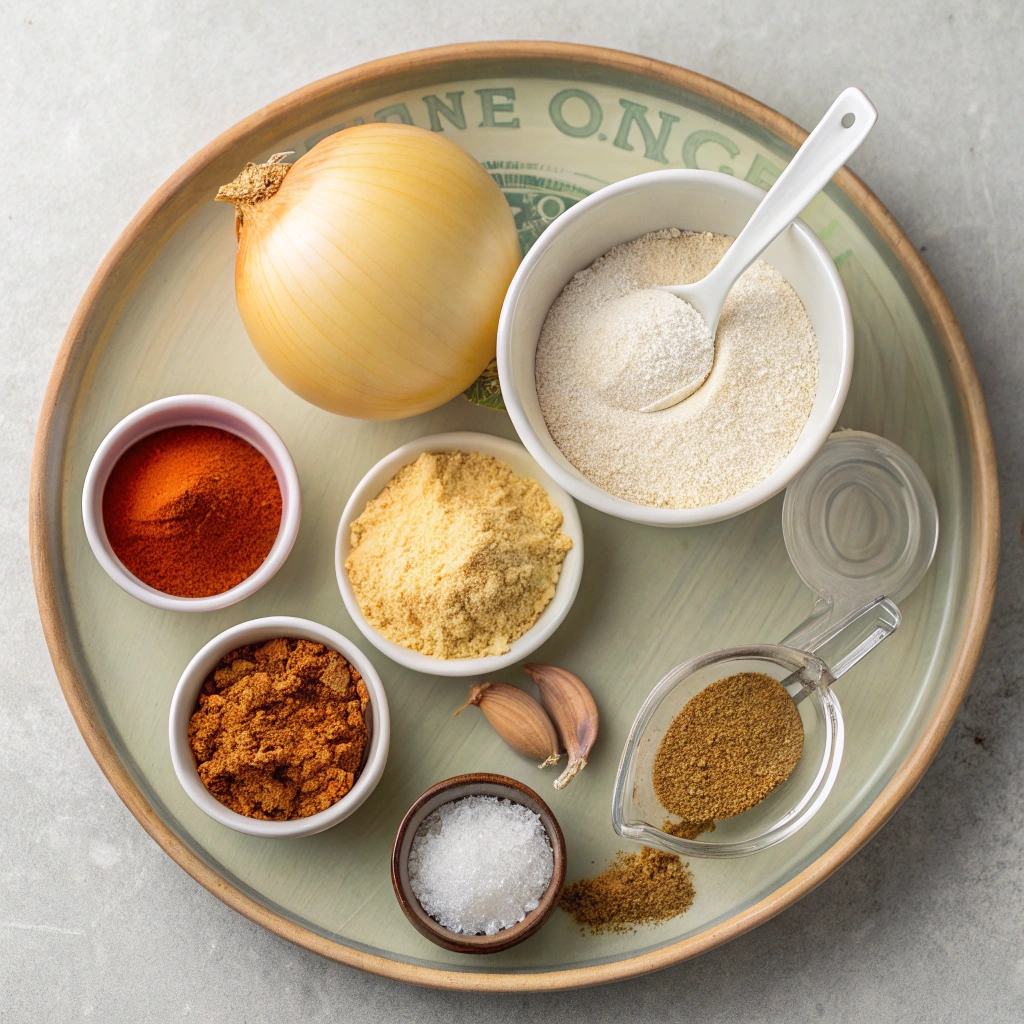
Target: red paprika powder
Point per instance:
(192, 511)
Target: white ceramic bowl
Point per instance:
(691, 200)
(515, 456)
(187, 693)
(200, 411)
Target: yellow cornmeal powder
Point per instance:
(457, 556)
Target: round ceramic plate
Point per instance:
(551, 123)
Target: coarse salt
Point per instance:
(480, 864)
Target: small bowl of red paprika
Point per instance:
(191, 503)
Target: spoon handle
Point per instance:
(835, 139)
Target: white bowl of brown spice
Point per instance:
(458, 555)
(279, 727)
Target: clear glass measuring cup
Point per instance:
(861, 526)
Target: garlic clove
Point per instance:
(571, 705)
(518, 719)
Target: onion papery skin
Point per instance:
(371, 282)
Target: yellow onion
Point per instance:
(370, 273)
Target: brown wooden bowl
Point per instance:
(477, 784)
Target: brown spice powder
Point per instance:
(687, 829)
(729, 747)
(279, 730)
(639, 888)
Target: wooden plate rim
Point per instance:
(984, 541)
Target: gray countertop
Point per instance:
(100, 100)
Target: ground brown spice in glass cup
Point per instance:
(729, 747)
(639, 888)
(279, 729)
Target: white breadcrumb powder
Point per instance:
(480, 864)
(728, 436)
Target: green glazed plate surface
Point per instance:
(162, 320)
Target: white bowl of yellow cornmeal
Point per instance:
(405, 573)
(758, 419)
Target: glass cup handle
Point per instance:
(841, 646)
(814, 626)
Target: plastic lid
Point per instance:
(860, 522)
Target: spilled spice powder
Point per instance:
(279, 729)
(192, 511)
(687, 829)
(729, 747)
(648, 887)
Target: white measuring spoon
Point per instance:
(835, 139)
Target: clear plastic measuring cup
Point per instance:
(861, 526)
